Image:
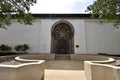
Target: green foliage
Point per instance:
(18, 9)
(102, 53)
(7, 53)
(5, 48)
(106, 9)
(21, 48)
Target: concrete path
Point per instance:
(64, 70)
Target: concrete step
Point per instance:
(62, 57)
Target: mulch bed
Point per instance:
(9, 60)
(6, 58)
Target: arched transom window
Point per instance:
(62, 31)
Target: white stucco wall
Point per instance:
(18, 34)
(79, 35)
(102, 38)
(45, 35)
(91, 36)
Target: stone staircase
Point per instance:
(62, 56)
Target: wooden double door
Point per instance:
(63, 46)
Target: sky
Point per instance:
(61, 6)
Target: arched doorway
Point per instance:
(62, 34)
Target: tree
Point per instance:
(106, 9)
(17, 9)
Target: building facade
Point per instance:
(64, 33)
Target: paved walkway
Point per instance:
(64, 70)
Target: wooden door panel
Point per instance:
(62, 46)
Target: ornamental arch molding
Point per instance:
(62, 37)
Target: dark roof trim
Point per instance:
(47, 16)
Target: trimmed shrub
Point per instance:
(22, 48)
(5, 48)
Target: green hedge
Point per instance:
(9, 53)
(106, 54)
